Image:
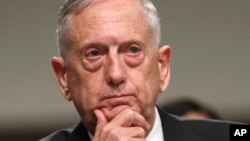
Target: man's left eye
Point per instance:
(133, 49)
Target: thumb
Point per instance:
(101, 121)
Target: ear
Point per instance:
(164, 66)
(58, 65)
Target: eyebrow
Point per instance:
(103, 44)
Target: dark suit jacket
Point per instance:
(174, 129)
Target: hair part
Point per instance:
(74, 7)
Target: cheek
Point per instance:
(86, 98)
(146, 81)
(134, 61)
(92, 65)
(84, 89)
(150, 80)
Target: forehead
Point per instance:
(108, 15)
(111, 6)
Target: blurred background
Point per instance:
(210, 62)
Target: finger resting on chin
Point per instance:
(129, 118)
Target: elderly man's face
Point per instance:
(113, 61)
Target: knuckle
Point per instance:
(110, 133)
(113, 132)
(129, 112)
(141, 131)
(105, 129)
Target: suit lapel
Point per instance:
(174, 130)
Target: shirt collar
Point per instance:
(156, 133)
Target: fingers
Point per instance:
(127, 125)
(101, 121)
(129, 118)
(135, 132)
(125, 134)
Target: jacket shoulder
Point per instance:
(183, 129)
(60, 135)
(209, 129)
(75, 133)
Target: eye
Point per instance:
(93, 52)
(133, 50)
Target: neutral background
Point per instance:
(210, 61)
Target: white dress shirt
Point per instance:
(156, 133)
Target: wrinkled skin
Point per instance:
(113, 72)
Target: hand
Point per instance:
(128, 125)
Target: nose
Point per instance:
(115, 74)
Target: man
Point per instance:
(112, 69)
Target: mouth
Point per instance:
(114, 101)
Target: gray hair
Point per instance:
(76, 6)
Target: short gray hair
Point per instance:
(76, 6)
